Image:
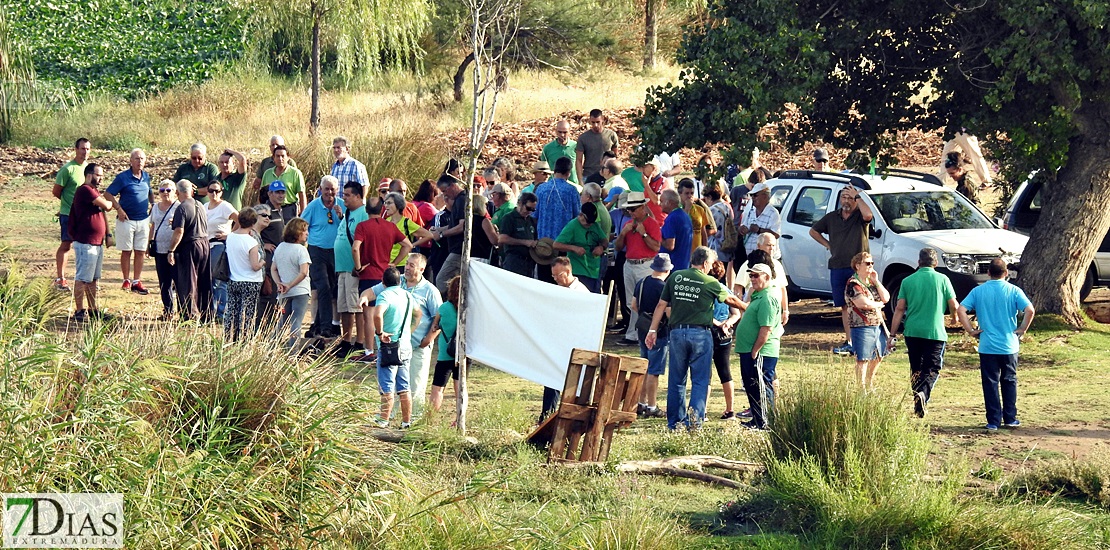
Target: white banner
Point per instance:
(528, 328)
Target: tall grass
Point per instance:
(847, 469)
(1087, 480)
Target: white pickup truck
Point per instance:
(911, 211)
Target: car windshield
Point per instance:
(928, 211)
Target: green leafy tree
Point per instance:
(365, 36)
(1030, 76)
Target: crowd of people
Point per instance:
(694, 266)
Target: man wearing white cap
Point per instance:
(760, 218)
(757, 343)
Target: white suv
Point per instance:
(911, 211)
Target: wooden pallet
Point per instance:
(582, 429)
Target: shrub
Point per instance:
(847, 469)
(1086, 480)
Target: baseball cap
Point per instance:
(277, 185)
(761, 268)
(759, 188)
(501, 188)
(541, 166)
(820, 154)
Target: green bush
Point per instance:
(1086, 480)
(847, 469)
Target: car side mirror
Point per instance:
(873, 233)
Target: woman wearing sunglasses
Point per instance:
(865, 296)
(161, 233)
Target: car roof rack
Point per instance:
(912, 175)
(839, 177)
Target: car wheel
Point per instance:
(1088, 284)
(892, 287)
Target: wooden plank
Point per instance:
(606, 442)
(586, 357)
(621, 417)
(572, 445)
(637, 365)
(570, 385)
(608, 384)
(586, 396)
(541, 436)
(580, 413)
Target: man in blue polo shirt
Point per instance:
(996, 304)
(324, 216)
(130, 198)
(678, 230)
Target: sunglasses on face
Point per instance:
(215, 190)
(197, 158)
(868, 263)
(753, 275)
(530, 208)
(165, 190)
(267, 216)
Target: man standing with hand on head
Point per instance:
(996, 304)
(847, 229)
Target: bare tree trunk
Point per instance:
(314, 115)
(460, 77)
(651, 31)
(1074, 221)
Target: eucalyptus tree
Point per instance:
(1031, 77)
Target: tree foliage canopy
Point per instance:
(860, 70)
(1032, 77)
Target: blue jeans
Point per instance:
(292, 316)
(691, 354)
(657, 356)
(762, 405)
(219, 288)
(999, 372)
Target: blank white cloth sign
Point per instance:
(526, 327)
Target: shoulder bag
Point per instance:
(643, 322)
(152, 248)
(389, 353)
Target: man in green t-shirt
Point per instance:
(70, 176)
(584, 242)
(690, 294)
(922, 298)
(199, 171)
(757, 343)
(284, 172)
(562, 146)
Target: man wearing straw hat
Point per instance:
(640, 238)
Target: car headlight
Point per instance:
(961, 263)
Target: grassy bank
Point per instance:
(391, 123)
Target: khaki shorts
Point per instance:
(347, 300)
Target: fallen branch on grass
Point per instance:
(687, 467)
